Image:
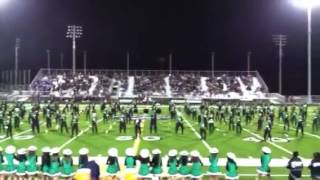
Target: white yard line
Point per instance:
(74, 138)
(272, 143)
(196, 133)
(16, 135)
(309, 134)
(137, 141)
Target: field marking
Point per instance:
(310, 134)
(81, 132)
(16, 135)
(137, 141)
(272, 143)
(196, 133)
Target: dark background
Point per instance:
(151, 29)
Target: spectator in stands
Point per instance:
(315, 166)
(295, 166)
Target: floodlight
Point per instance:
(306, 3)
(2, 2)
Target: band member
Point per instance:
(300, 126)
(122, 124)
(74, 124)
(94, 123)
(153, 122)
(137, 128)
(179, 124)
(63, 123)
(35, 126)
(8, 126)
(267, 133)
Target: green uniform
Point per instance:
(196, 168)
(21, 168)
(265, 160)
(213, 168)
(32, 164)
(144, 169)
(1, 163)
(10, 168)
(184, 169)
(156, 169)
(113, 165)
(54, 167)
(130, 162)
(231, 169)
(67, 167)
(172, 170)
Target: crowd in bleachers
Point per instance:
(148, 85)
(179, 84)
(223, 84)
(185, 84)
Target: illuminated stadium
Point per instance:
(125, 90)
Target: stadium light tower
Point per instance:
(309, 5)
(280, 41)
(16, 60)
(74, 32)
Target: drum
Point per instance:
(83, 174)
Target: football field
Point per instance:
(247, 145)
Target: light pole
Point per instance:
(248, 62)
(212, 63)
(170, 64)
(16, 59)
(308, 4)
(74, 32)
(280, 40)
(48, 61)
(128, 64)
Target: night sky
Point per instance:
(151, 29)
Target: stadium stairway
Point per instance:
(129, 92)
(204, 87)
(94, 84)
(167, 87)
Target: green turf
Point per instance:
(224, 139)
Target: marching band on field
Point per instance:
(233, 116)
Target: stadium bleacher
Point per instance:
(144, 84)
